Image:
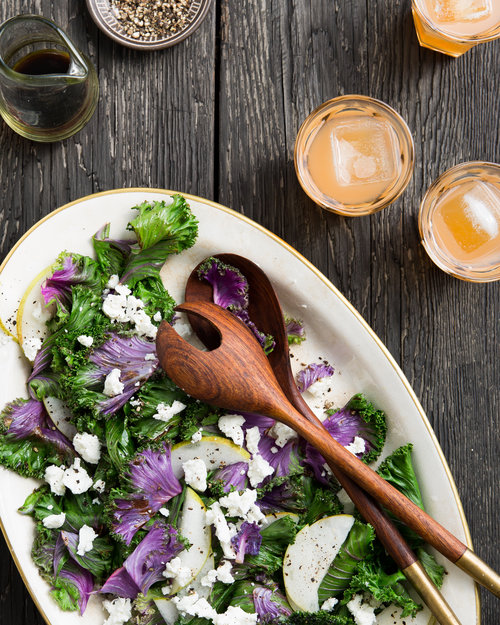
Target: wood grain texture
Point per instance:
(218, 115)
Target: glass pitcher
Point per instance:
(48, 89)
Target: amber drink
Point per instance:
(454, 26)
(354, 155)
(459, 221)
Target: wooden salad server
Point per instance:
(265, 311)
(237, 376)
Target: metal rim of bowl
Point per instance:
(100, 11)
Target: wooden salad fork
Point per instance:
(265, 311)
(237, 376)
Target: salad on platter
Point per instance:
(171, 510)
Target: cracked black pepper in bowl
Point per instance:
(148, 24)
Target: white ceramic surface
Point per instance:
(335, 331)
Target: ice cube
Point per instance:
(477, 221)
(461, 10)
(482, 209)
(364, 151)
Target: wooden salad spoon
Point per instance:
(265, 311)
(237, 376)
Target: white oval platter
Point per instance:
(334, 328)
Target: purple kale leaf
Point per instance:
(30, 441)
(270, 604)
(311, 374)
(72, 583)
(294, 330)
(128, 355)
(145, 565)
(151, 483)
(284, 460)
(230, 287)
(232, 476)
(230, 291)
(359, 418)
(247, 540)
(71, 269)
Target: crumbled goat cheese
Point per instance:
(40, 314)
(54, 476)
(258, 469)
(223, 531)
(157, 316)
(197, 436)
(224, 572)
(151, 356)
(165, 413)
(242, 505)
(124, 307)
(209, 579)
(119, 610)
(252, 439)
(181, 574)
(88, 446)
(85, 340)
(274, 450)
(135, 402)
(31, 347)
(164, 511)
(282, 433)
(54, 521)
(230, 425)
(76, 478)
(184, 330)
(113, 281)
(357, 446)
(195, 474)
(112, 384)
(86, 537)
(221, 574)
(320, 387)
(363, 613)
(122, 289)
(100, 486)
(194, 606)
(235, 616)
(329, 604)
(144, 325)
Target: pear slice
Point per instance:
(5, 330)
(392, 616)
(32, 313)
(60, 415)
(308, 559)
(167, 608)
(193, 526)
(215, 451)
(274, 516)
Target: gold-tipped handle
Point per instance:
(433, 599)
(480, 571)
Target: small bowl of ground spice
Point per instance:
(148, 24)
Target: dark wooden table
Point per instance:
(217, 116)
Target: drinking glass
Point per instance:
(459, 221)
(454, 26)
(354, 155)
